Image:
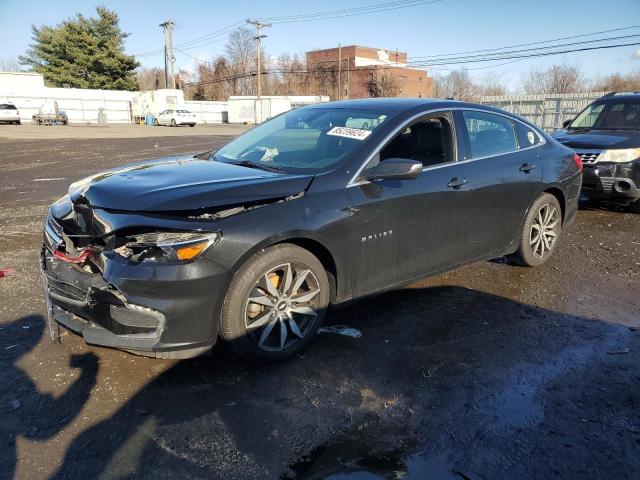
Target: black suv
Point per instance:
(606, 136)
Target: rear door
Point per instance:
(504, 169)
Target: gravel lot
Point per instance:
(492, 371)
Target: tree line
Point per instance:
(561, 77)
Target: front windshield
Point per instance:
(609, 116)
(308, 140)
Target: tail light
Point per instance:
(18, 112)
(577, 161)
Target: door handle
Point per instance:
(527, 167)
(456, 182)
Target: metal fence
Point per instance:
(78, 110)
(546, 111)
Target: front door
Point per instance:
(404, 229)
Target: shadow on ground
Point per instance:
(446, 382)
(42, 416)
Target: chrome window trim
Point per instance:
(354, 182)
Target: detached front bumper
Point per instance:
(167, 311)
(615, 182)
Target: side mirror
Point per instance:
(395, 169)
(566, 123)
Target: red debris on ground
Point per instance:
(7, 272)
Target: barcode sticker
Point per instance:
(347, 132)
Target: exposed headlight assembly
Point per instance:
(622, 155)
(167, 247)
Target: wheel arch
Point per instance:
(302, 240)
(557, 192)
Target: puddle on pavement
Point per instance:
(349, 461)
(514, 406)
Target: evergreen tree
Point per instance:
(84, 53)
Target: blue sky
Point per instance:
(449, 26)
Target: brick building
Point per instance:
(365, 72)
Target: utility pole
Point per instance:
(339, 71)
(169, 57)
(259, 25)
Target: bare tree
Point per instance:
(290, 77)
(491, 85)
(381, 84)
(241, 55)
(457, 84)
(617, 82)
(564, 77)
(214, 81)
(150, 78)
(10, 65)
(324, 79)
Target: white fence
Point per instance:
(546, 111)
(209, 112)
(78, 110)
(248, 109)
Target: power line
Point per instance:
(467, 58)
(528, 44)
(349, 12)
(197, 42)
(306, 17)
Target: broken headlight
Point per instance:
(168, 247)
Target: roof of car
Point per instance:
(621, 97)
(388, 104)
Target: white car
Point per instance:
(9, 113)
(175, 118)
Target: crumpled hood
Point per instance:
(183, 183)
(597, 139)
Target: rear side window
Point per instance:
(7, 106)
(527, 137)
(489, 134)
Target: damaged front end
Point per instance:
(144, 282)
(130, 281)
(131, 256)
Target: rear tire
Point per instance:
(173, 122)
(192, 124)
(540, 232)
(156, 123)
(275, 304)
(635, 207)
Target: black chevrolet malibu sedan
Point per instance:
(251, 243)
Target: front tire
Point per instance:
(540, 232)
(275, 304)
(156, 123)
(173, 122)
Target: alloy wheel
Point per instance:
(282, 306)
(544, 230)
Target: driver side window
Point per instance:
(429, 140)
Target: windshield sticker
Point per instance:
(347, 132)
